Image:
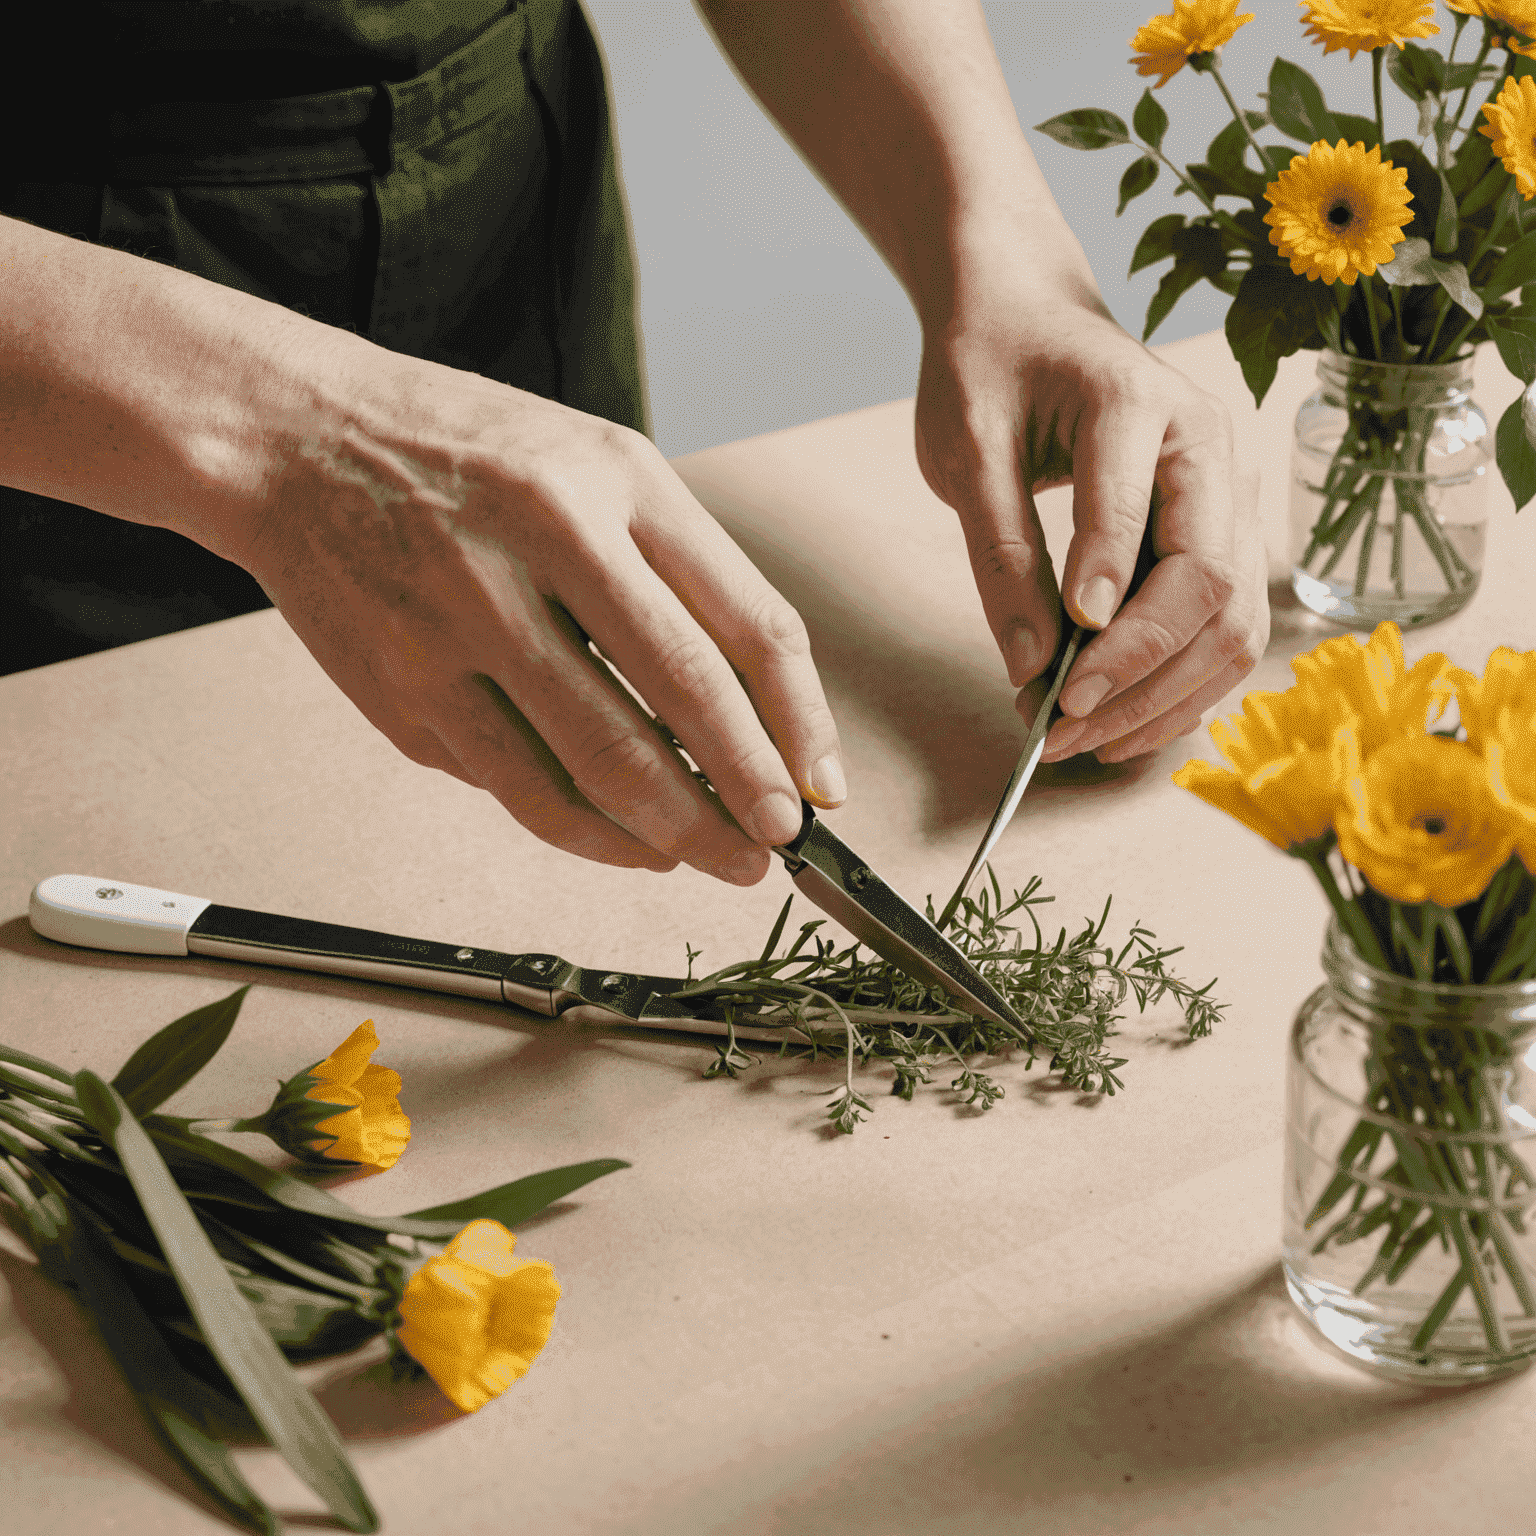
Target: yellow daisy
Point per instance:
(1507, 686)
(1510, 757)
(1338, 211)
(1165, 43)
(1291, 759)
(1512, 127)
(1420, 822)
(1372, 687)
(1361, 25)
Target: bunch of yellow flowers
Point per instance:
(1354, 756)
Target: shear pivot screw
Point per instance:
(464, 954)
(860, 877)
(614, 983)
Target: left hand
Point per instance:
(1027, 385)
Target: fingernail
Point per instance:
(828, 786)
(1059, 743)
(1021, 653)
(1081, 698)
(1096, 601)
(774, 819)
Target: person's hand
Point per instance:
(445, 546)
(1029, 384)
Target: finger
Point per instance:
(1145, 660)
(1122, 449)
(682, 613)
(1187, 717)
(498, 748)
(1010, 560)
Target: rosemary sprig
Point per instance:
(855, 1005)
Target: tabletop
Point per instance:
(1064, 1315)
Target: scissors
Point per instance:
(1046, 716)
(118, 915)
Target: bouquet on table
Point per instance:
(1401, 253)
(1434, 829)
(208, 1274)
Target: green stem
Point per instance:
(1370, 315)
(1477, 64)
(1237, 112)
(1223, 217)
(1350, 916)
(1381, 128)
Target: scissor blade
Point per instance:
(833, 876)
(1022, 774)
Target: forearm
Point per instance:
(139, 390)
(902, 108)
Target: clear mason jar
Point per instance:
(1410, 1234)
(1389, 491)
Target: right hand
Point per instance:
(444, 545)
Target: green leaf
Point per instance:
(1489, 188)
(1417, 72)
(1139, 175)
(172, 1057)
(1156, 243)
(1515, 268)
(1356, 130)
(1199, 253)
(1225, 170)
(1149, 119)
(1516, 453)
(1086, 128)
(1296, 104)
(287, 1412)
(1272, 316)
(522, 1198)
(1471, 162)
(185, 1414)
(1515, 337)
(1424, 185)
(1412, 264)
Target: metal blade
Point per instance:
(1014, 792)
(833, 876)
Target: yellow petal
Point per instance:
(345, 1064)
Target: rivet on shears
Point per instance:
(860, 877)
(614, 983)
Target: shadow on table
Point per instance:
(1224, 1396)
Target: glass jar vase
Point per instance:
(1410, 1155)
(1389, 491)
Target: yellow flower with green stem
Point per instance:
(341, 1112)
(1365, 25)
(474, 1317)
(1512, 127)
(1337, 211)
(1194, 27)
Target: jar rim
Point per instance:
(1450, 370)
(1340, 958)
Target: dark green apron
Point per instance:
(469, 214)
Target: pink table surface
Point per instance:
(1065, 1316)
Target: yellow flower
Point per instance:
(1338, 211)
(1165, 43)
(1512, 127)
(1371, 685)
(1367, 24)
(1420, 823)
(372, 1130)
(475, 1317)
(1507, 686)
(1510, 758)
(1291, 757)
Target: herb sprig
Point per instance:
(858, 1006)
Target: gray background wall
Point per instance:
(763, 305)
